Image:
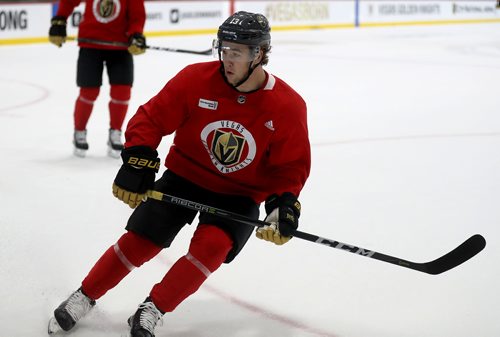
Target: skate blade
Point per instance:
(80, 153)
(53, 327)
(114, 153)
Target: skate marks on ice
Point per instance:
(232, 316)
(198, 318)
(97, 323)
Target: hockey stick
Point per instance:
(123, 44)
(454, 258)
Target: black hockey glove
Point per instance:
(137, 44)
(137, 174)
(57, 31)
(283, 214)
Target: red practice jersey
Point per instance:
(107, 20)
(253, 144)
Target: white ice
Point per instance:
(405, 131)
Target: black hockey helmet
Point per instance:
(245, 28)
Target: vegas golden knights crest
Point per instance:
(229, 144)
(227, 147)
(106, 8)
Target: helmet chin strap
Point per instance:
(249, 73)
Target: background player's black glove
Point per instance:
(137, 44)
(136, 175)
(57, 31)
(283, 217)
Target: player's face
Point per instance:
(236, 58)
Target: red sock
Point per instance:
(208, 250)
(84, 105)
(129, 252)
(118, 105)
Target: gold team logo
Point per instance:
(106, 10)
(227, 147)
(230, 145)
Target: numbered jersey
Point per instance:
(107, 20)
(253, 144)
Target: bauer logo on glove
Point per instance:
(137, 174)
(142, 162)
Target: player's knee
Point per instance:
(89, 94)
(136, 249)
(210, 245)
(120, 92)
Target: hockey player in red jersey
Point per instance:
(108, 26)
(241, 138)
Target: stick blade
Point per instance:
(468, 249)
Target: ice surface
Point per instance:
(405, 131)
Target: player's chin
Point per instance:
(231, 78)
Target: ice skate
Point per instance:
(70, 311)
(80, 142)
(115, 145)
(143, 322)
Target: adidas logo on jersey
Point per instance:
(269, 125)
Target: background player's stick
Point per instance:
(122, 44)
(457, 256)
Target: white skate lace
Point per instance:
(78, 305)
(150, 316)
(115, 137)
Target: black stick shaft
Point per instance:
(123, 44)
(457, 256)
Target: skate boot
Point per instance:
(143, 322)
(70, 311)
(115, 145)
(80, 142)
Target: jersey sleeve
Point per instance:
(289, 154)
(137, 17)
(160, 116)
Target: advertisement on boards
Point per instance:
(30, 22)
(174, 16)
(302, 13)
(474, 9)
(394, 12)
(24, 20)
